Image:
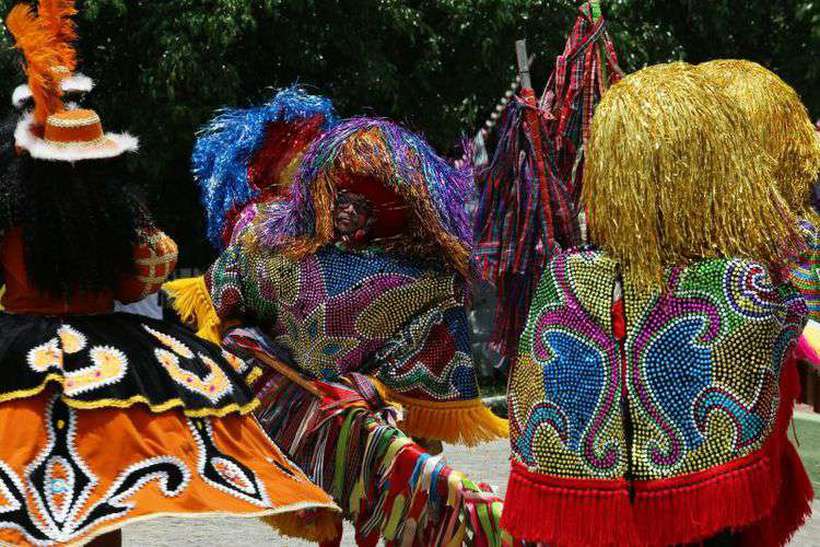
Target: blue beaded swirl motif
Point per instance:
(695, 384)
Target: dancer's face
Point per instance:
(351, 213)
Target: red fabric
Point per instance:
(390, 209)
(619, 320)
(533, 127)
(792, 508)
(765, 496)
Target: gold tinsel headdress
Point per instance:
(674, 174)
(781, 121)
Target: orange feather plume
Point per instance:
(36, 42)
(57, 17)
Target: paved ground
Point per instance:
(485, 461)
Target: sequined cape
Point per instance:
(338, 311)
(664, 424)
(805, 274)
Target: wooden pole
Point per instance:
(287, 372)
(523, 65)
(501, 104)
(489, 124)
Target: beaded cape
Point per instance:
(805, 275)
(395, 311)
(663, 412)
(372, 312)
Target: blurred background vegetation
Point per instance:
(163, 66)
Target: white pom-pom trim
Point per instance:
(77, 83)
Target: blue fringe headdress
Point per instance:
(435, 190)
(226, 146)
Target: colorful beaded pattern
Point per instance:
(694, 385)
(805, 274)
(341, 311)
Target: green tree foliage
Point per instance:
(782, 35)
(163, 66)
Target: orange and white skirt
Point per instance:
(100, 427)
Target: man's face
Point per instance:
(351, 213)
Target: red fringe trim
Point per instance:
(792, 508)
(765, 496)
(566, 512)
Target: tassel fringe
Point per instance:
(793, 506)
(573, 514)
(576, 512)
(463, 422)
(192, 302)
(317, 526)
(765, 497)
(392, 491)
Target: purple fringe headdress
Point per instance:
(435, 190)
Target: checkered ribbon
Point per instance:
(583, 72)
(529, 193)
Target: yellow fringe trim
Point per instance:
(253, 376)
(192, 302)
(322, 527)
(455, 422)
(170, 404)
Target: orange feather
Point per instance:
(57, 17)
(36, 43)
